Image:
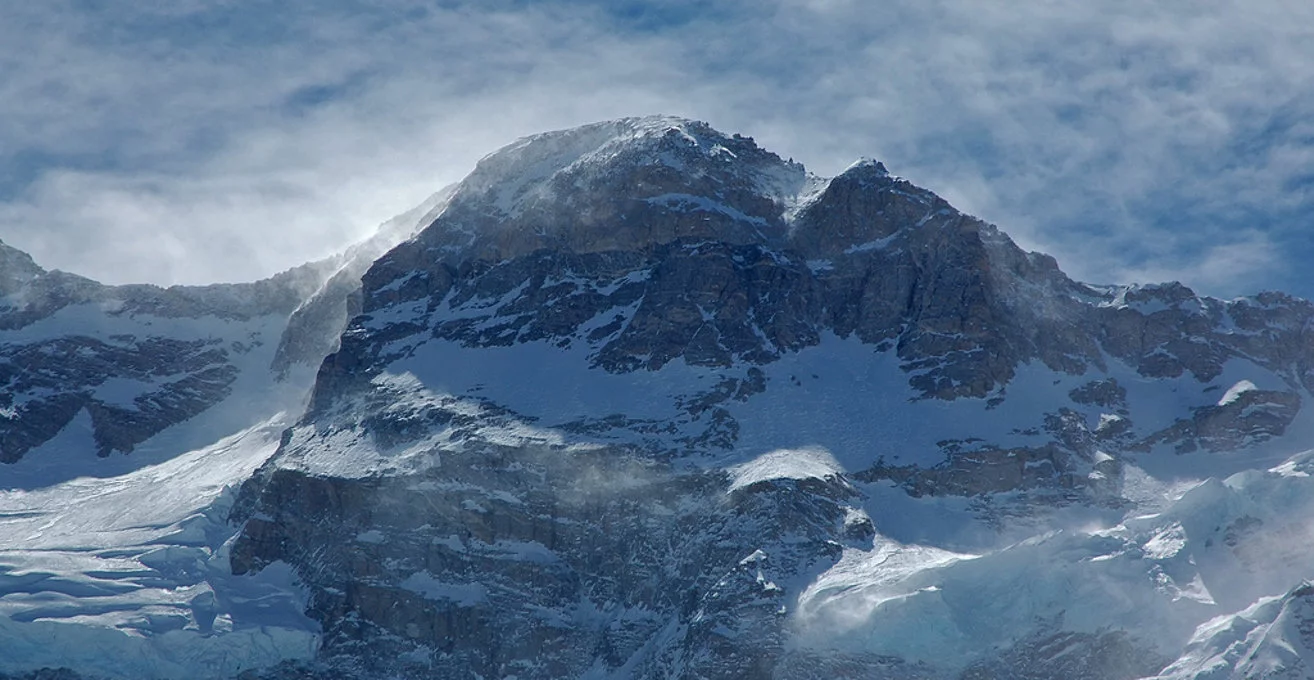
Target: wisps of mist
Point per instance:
(222, 141)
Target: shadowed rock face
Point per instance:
(866, 255)
(622, 185)
(138, 359)
(200, 371)
(538, 560)
(135, 359)
(931, 290)
(445, 533)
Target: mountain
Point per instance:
(129, 415)
(644, 400)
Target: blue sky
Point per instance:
(194, 141)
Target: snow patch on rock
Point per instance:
(807, 463)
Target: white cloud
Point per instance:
(1160, 141)
(1246, 260)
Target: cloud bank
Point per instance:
(223, 140)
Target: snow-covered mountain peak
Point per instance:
(637, 184)
(628, 184)
(867, 164)
(521, 173)
(650, 211)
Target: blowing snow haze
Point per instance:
(642, 399)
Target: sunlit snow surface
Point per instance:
(128, 577)
(116, 567)
(815, 463)
(1214, 550)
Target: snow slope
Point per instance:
(253, 394)
(117, 566)
(1216, 549)
(128, 577)
(1271, 639)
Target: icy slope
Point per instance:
(128, 417)
(1151, 579)
(1270, 640)
(112, 379)
(135, 362)
(131, 415)
(128, 576)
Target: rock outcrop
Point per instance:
(546, 447)
(134, 359)
(138, 359)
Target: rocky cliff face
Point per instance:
(134, 360)
(139, 359)
(740, 274)
(645, 400)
